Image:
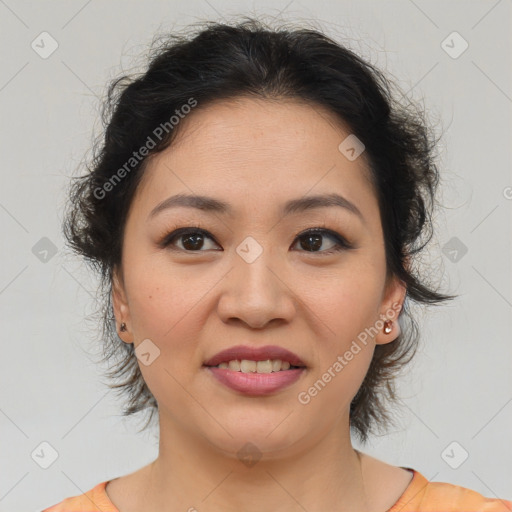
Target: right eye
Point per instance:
(192, 239)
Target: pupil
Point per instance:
(196, 244)
(316, 243)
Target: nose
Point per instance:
(256, 293)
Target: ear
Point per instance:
(391, 306)
(120, 305)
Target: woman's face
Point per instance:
(253, 277)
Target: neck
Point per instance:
(323, 474)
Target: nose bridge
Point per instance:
(255, 293)
(253, 262)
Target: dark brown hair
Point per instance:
(249, 58)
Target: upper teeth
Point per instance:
(247, 366)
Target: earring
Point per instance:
(122, 327)
(388, 326)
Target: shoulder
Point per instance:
(94, 500)
(424, 496)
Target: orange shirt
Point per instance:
(420, 496)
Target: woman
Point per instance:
(254, 211)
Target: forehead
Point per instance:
(254, 152)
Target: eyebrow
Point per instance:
(210, 204)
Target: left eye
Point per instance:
(310, 241)
(313, 238)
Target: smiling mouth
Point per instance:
(256, 378)
(249, 366)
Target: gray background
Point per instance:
(458, 388)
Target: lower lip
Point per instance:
(256, 383)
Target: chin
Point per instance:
(254, 441)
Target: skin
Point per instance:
(255, 155)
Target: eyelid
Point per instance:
(176, 233)
(342, 243)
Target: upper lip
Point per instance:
(255, 354)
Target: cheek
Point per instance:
(346, 304)
(344, 354)
(162, 298)
(345, 312)
(165, 309)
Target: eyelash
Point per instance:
(341, 243)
